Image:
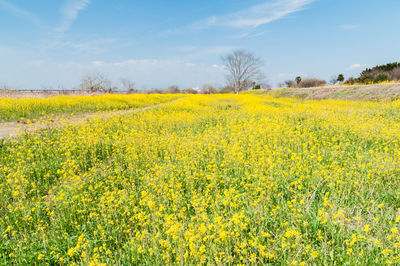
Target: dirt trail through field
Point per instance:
(14, 129)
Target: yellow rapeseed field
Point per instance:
(17, 108)
(223, 179)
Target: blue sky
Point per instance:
(158, 43)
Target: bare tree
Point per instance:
(290, 83)
(173, 89)
(350, 81)
(244, 69)
(96, 82)
(311, 82)
(265, 86)
(190, 91)
(227, 89)
(333, 80)
(395, 73)
(281, 84)
(208, 89)
(4, 86)
(128, 85)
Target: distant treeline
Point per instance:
(205, 89)
(378, 74)
(299, 82)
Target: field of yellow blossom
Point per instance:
(220, 179)
(12, 109)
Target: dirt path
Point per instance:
(14, 129)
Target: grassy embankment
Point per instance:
(376, 92)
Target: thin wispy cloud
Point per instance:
(21, 13)
(217, 50)
(253, 33)
(355, 66)
(198, 52)
(70, 12)
(88, 46)
(256, 15)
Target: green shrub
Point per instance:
(298, 80)
(381, 78)
(350, 81)
(340, 78)
(365, 79)
(311, 82)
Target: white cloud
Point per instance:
(256, 15)
(90, 46)
(152, 73)
(217, 50)
(21, 12)
(163, 72)
(98, 63)
(355, 66)
(219, 67)
(249, 34)
(70, 12)
(193, 51)
(201, 53)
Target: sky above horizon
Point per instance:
(53, 44)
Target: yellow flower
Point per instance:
(71, 252)
(253, 176)
(386, 251)
(367, 228)
(314, 254)
(349, 251)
